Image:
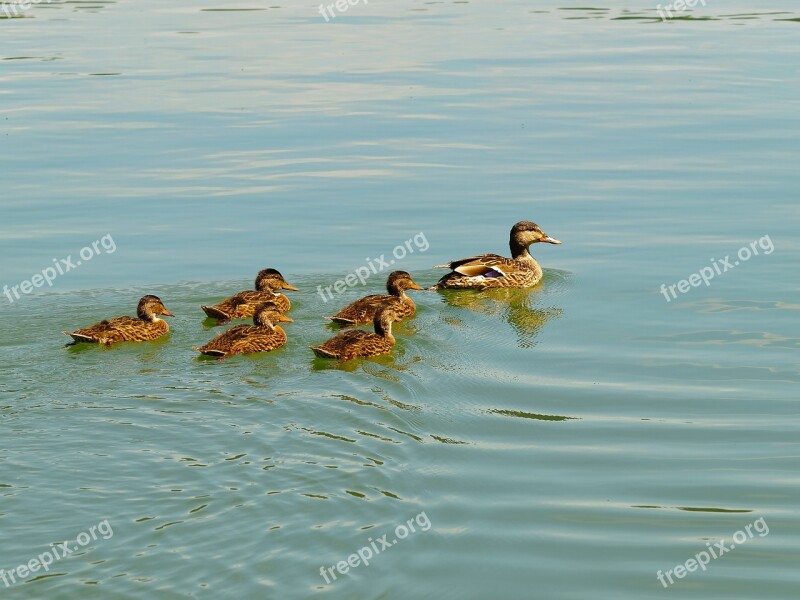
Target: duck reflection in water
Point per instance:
(513, 305)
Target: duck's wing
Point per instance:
(108, 330)
(348, 337)
(335, 346)
(222, 344)
(244, 303)
(252, 297)
(121, 329)
(230, 306)
(486, 265)
(361, 311)
(371, 344)
(259, 339)
(221, 310)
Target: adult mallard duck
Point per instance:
(363, 311)
(144, 327)
(357, 342)
(243, 304)
(261, 336)
(493, 271)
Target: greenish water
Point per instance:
(564, 442)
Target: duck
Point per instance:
(242, 305)
(494, 271)
(261, 336)
(144, 327)
(357, 342)
(363, 311)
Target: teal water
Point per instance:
(564, 442)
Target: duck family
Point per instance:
(268, 306)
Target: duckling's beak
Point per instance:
(285, 319)
(549, 240)
(414, 286)
(287, 286)
(166, 313)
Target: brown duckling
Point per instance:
(144, 327)
(363, 311)
(492, 270)
(243, 304)
(357, 342)
(261, 336)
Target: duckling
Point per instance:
(363, 311)
(146, 326)
(261, 336)
(493, 271)
(357, 342)
(241, 305)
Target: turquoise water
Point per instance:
(564, 442)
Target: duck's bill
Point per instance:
(166, 313)
(414, 286)
(287, 286)
(550, 240)
(285, 319)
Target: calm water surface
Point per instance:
(564, 442)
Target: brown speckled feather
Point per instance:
(145, 327)
(351, 344)
(491, 271)
(245, 339)
(363, 311)
(243, 304)
(494, 271)
(121, 329)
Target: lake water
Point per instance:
(565, 442)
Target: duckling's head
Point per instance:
(266, 314)
(384, 317)
(151, 307)
(272, 280)
(525, 233)
(399, 282)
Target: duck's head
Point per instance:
(400, 281)
(272, 280)
(266, 314)
(383, 320)
(150, 308)
(525, 233)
